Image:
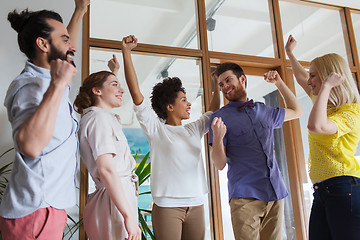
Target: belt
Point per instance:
(133, 177)
(340, 179)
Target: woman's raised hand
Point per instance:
(129, 43)
(290, 45)
(334, 79)
(114, 65)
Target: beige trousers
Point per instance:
(178, 223)
(254, 219)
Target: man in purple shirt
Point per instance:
(241, 134)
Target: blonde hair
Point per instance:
(85, 97)
(347, 91)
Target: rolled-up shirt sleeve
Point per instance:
(203, 123)
(25, 102)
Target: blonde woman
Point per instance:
(334, 133)
(111, 211)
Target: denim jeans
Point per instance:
(335, 213)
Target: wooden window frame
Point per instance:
(253, 65)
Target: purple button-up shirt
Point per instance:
(249, 140)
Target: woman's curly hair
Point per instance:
(165, 93)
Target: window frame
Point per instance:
(252, 65)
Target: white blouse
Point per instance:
(177, 167)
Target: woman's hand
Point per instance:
(133, 230)
(129, 43)
(290, 45)
(334, 79)
(114, 65)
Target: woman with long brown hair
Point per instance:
(111, 211)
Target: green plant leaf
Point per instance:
(4, 169)
(143, 193)
(145, 210)
(139, 169)
(145, 174)
(143, 237)
(72, 230)
(69, 217)
(6, 152)
(135, 157)
(146, 230)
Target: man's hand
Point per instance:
(219, 129)
(272, 77)
(82, 5)
(62, 72)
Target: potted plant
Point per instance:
(143, 172)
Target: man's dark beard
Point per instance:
(55, 54)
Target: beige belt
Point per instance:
(135, 179)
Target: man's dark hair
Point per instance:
(165, 93)
(237, 70)
(31, 25)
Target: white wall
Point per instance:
(12, 60)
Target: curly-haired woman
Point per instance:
(178, 182)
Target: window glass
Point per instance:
(260, 91)
(318, 31)
(306, 104)
(357, 153)
(150, 70)
(160, 22)
(239, 26)
(355, 17)
(356, 80)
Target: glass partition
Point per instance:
(306, 104)
(318, 31)
(160, 22)
(150, 70)
(357, 153)
(239, 26)
(355, 17)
